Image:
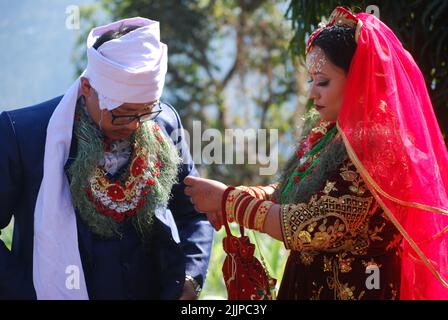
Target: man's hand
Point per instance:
(188, 292)
(206, 196)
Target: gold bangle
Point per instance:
(260, 215)
(230, 202)
(286, 230)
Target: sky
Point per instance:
(36, 50)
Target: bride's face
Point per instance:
(327, 83)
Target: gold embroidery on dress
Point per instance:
(345, 264)
(316, 291)
(341, 291)
(350, 174)
(307, 257)
(395, 242)
(336, 233)
(374, 234)
(327, 264)
(330, 186)
(347, 214)
(370, 263)
(393, 291)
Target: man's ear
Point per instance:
(86, 88)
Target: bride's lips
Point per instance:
(318, 107)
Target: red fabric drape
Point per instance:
(392, 136)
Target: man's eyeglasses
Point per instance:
(124, 119)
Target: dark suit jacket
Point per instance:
(114, 268)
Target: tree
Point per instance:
(228, 65)
(420, 25)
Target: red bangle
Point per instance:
(242, 208)
(240, 197)
(252, 213)
(256, 193)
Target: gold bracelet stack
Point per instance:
(243, 206)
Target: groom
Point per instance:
(94, 182)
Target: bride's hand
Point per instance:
(206, 196)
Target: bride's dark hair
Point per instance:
(339, 45)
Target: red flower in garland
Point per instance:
(300, 152)
(116, 192)
(138, 165)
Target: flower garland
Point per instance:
(123, 201)
(104, 202)
(308, 154)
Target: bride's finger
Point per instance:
(188, 191)
(190, 180)
(217, 225)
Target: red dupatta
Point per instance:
(392, 136)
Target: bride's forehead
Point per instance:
(316, 60)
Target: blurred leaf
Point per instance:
(6, 235)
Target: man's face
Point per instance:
(118, 123)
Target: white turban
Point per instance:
(129, 69)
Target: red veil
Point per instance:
(392, 136)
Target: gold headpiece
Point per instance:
(341, 17)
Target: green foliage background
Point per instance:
(6, 235)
